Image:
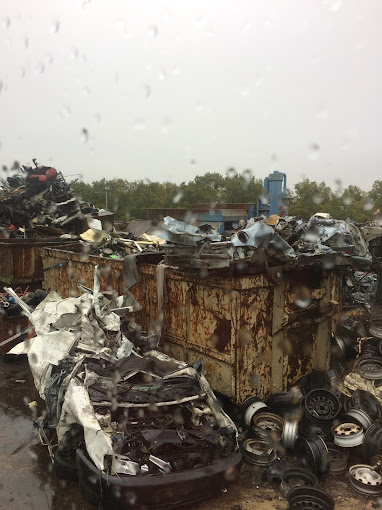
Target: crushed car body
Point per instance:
(135, 426)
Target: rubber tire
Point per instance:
(64, 465)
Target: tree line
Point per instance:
(128, 199)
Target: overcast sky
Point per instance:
(166, 90)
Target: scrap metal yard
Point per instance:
(157, 365)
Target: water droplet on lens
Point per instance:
(177, 196)
(247, 174)
(84, 135)
(139, 124)
(55, 26)
(231, 173)
(368, 205)
(318, 199)
(314, 151)
(347, 200)
(166, 125)
(153, 30)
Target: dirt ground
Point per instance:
(27, 481)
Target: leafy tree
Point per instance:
(310, 197)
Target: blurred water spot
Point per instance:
(177, 196)
(247, 174)
(245, 91)
(7, 22)
(1, 86)
(263, 199)
(84, 135)
(192, 161)
(66, 111)
(368, 205)
(231, 173)
(303, 296)
(166, 125)
(322, 113)
(313, 151)
(347, 200)
(247, 28)
(139, 124)
(74, 53)
(147, 91)
(55, 26)
(153, 31)
(318, 199)
(163, 75)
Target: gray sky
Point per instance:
(167, 90)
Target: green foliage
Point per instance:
(311, 197)
(128, 199)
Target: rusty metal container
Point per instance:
(252, 337)
(20, 259)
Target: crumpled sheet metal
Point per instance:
(77, 408)
(261, 235)
(354, 381)
(47, 350)
(178, 232)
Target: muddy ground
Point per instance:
(27, 481)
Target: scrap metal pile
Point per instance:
(266, 242)
(131, 410)
(331, 423)
(40, 203)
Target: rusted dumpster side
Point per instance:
(20, 259)
(250, 336)
(249, 332)
(64, 269)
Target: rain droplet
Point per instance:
(147, 91)
(86, 91)
(318, 199)
(74, 53)
(1, 86)
(314, 151)
(26, 42)
(7, 22)
(199, 108)
(368, 205)
(153, 31)
(247, 28)
(231, 173)
(322, 113)
(66, 111)
(247, 174)
(347, 200)
(166, 125)
(84, 135)
(177, 196)
(335, 5)
(245, 91)
(139, 124)
(176, 71)
(192, 161)
(302, 302)
(55, 26)
(163, 75)
(263, 199)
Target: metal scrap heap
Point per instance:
(40, 203)
(266, 242)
